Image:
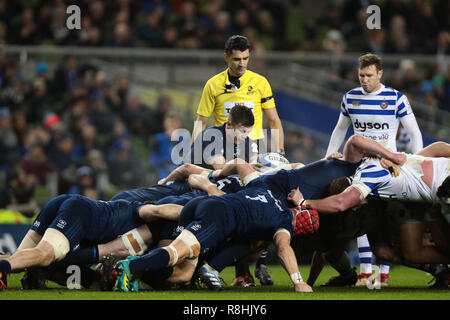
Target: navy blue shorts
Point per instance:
(211, 222)
(48, 214)
(162, 230)
(73, 220)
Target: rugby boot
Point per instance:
(34, 278)
(244, 281)
(125, 281)
(108, 278)
(210, 277)
(348, 279)
(441, 280)
(363, 279)
(3, 281)
(262, 273)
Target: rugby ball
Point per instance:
(272, 160)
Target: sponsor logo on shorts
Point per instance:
(61, 224)
(36, 224)
(196, 227)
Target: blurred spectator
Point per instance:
(170, 37)
(375, 41)
(160, 158)
(151, 30)
(121, 37)
(425, 27)
(398, 40)
(136, 117)
(8, 139)
(20, 127)
(66, 75)
(124, 170)
(19, 192)
(100, 114)
(87, 140)
(86, 182)
(123, 87)
(36, 164)
(117, 138)
(241, 20)
(188, 24)
(334, 42)
(96, 160)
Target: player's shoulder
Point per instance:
(355, 91)
(369, 164)
(392, 92)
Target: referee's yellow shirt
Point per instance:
(219, 96)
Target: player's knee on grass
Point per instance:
(182, 273)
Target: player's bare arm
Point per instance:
(182, 173)
(436, 150)
(289, 261)
(349, 198)
(151, 212)
(358, 146)
(201, 182)
(199, 126)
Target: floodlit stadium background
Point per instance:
(97, 101)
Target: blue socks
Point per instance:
(154, 260)
(5, 267)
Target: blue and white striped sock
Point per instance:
(365, 255)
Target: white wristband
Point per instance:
(296, 277)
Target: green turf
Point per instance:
(405, 284)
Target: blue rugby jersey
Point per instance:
(153, 193)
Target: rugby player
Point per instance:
(424, 177)
(375, 111)
(70, 220)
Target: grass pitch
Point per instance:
(404, 284)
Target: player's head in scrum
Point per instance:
(240, 122)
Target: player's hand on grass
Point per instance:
(336, 155)
(392, 167)
(302, 287)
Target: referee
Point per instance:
(239, 86)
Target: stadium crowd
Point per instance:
(67, 130)
(269, 24)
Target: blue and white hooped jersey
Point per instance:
(419, 179)
(376, 115)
